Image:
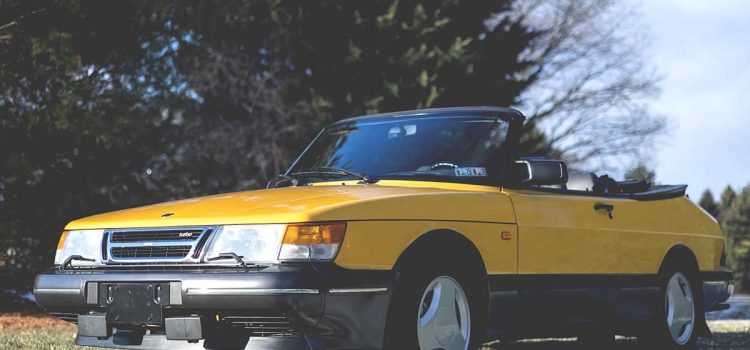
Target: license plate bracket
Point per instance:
(134, 303)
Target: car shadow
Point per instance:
(726, 340)
(558, 344)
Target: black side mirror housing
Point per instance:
(541, 172)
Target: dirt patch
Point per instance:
(21, 322)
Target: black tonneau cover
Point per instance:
(651, 194)
(658, 192)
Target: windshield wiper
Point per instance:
(417, 174)
(229, 255)
(68, 264)
(281, 178)
(337, 172)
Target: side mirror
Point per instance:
(541, 172)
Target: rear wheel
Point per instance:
(676, 328)
(679, 306)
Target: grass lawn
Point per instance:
(20, 331)
(57, 339)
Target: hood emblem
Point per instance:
(166, 215)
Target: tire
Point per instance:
(597, 339)
(678, 310)
(420, 307)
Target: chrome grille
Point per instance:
(161, 245)
(179, 251)
(147, 236)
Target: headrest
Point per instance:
(605, 185)
(581, 181)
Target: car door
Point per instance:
(566, 249)
(562, 234)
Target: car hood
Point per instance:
(390, 200)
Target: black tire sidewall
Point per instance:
(662, 336)
(412, 281)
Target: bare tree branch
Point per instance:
(592, 87)
(250, 126)
(23, 16)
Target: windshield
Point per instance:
(456, 149)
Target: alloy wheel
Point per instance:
(680, 308)
(443, 320)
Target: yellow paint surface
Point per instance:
(563, 234)
(383, 201)
(551, 233)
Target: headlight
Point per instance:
(312, 241)
(86, 243)
(273, 243)
(252, 243)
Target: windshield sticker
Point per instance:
(470, 171)
(402, 131)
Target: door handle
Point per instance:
(605, 206)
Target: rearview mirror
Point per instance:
(541, 172)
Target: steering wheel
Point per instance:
(443, 165)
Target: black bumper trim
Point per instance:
(519, 282)
(717, 288)
(717, 275)
(330, 306)
(569, 281)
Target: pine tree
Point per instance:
(395, 55)
(736, 225)
(727, 197)
(708, 203)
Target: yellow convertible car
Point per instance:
(420, 229)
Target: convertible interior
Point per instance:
(555, 177)
(587, 183)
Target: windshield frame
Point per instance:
(504, 156)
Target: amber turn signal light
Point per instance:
(61, 242)
(307, 234)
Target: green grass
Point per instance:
(52, 339)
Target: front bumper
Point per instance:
(319, 305)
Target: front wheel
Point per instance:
(444, 317)
(435, 307)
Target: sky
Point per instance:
(702, 49)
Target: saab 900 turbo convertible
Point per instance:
(420, 229)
